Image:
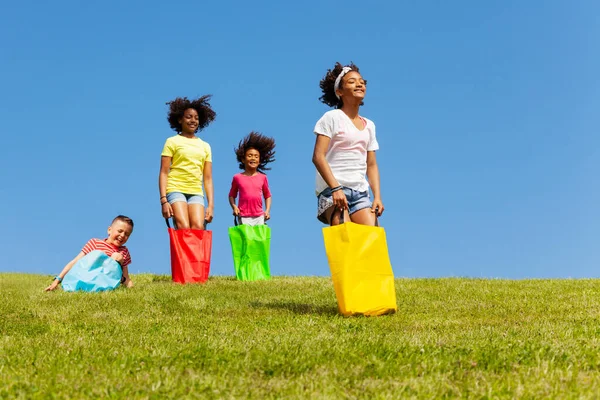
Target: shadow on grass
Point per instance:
(298, 308)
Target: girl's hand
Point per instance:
(339, 200)
(236, 210)
(267, 215)
(167, 211)
(377, 204)
(208, 215)
(52, 286)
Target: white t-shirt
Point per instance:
(347, 152)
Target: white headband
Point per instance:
(336, 85)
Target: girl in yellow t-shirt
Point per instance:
(186, 163)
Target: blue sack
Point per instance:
(95, 272)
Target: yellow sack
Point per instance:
(361, 270)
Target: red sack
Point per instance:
(190, 254)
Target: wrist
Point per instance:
(58, 278)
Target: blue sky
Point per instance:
(486, 113)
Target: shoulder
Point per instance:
(327, 123)
(172, 142)
(124, 249)
(203, 144)
(93, 242)
(173, 139)
(331, 115)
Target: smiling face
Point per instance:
(251, 160)
(189, 121)
(352, 86)
(118, 233)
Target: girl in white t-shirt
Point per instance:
(344, 152)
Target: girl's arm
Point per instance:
(64, 272)
(165, 165)
(208, 187)
(373, 177)
(268, 208)
(236, 210)
(321, 146)
(233, 192)
(267, 193)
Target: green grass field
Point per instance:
(284, 339)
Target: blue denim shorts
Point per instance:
(356, 201)
(174, 197)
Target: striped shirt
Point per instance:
(108, 249)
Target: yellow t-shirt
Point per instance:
(188, 156)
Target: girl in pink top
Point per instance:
(253, 153)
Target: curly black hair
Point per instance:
(265, 146)
(328, 82)
(177, 107)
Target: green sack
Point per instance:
(250, 246)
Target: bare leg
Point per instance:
(364, 217)
(180, 214)
(336, 217)
(196, 213)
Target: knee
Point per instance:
(182, 224)
(197, 226)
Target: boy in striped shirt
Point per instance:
(113, 246)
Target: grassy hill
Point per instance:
(284, 338)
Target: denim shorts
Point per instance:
(356, 201)
(174, 197)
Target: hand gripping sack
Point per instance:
(360, 268)
(94, 272)
(190, 254)
(250, 246)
